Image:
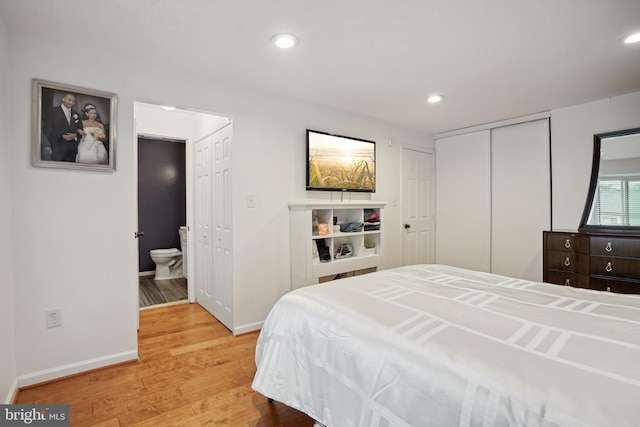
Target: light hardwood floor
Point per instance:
(191, 372)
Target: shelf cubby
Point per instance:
(305, 217)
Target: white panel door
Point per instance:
(204, 229)
(463, 201)
(214, 234)
(521, 198)
(222, 224)
(417, 207)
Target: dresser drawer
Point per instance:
(567, 278)
(619, 286)
(568, 261)
(615, 246)
(600, 261)
(626, 268)
(567, 242)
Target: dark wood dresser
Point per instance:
(594, 261)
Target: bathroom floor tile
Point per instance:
(154, 292)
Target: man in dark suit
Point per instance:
(63, 127)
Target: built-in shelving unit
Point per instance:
(307, 220)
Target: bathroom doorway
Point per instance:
(162, 211)
(163, 123)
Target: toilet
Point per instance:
(168, 263)
(183, 246)
(171, 263)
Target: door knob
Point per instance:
(139, 234)
(407, 226)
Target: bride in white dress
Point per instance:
(91, 147)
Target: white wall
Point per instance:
(269, 161)
(152, 120)
(7, 336)
(76, 249)
(572, 131)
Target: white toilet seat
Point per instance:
(165, 252)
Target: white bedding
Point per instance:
(431, 345)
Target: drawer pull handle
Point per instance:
(567, 282)
(608, 248)
(567, 244)
(567, 262)
(609, 267)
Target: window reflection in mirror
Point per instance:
(613, 203)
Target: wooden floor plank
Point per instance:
(191, 372)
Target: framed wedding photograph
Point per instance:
(73, 127)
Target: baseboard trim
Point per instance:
(75, 368)
(251, 327)
(12, 394)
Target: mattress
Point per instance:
(432, 345)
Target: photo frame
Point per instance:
(83, 138)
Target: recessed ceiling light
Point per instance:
(168, 107)
(631, 38)
(284, 41)
(433, 99)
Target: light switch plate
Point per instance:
(251, 200)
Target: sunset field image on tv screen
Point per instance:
(340, 163)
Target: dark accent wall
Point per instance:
(162, 196)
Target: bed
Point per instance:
(433, 345)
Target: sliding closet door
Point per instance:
(463, 201)
(520, 198)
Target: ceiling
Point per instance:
(491, 59)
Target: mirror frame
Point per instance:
(595, 169)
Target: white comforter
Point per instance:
(430, 345)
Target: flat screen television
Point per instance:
(340, 163)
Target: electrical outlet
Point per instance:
(54, 317)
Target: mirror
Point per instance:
(613, 200)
